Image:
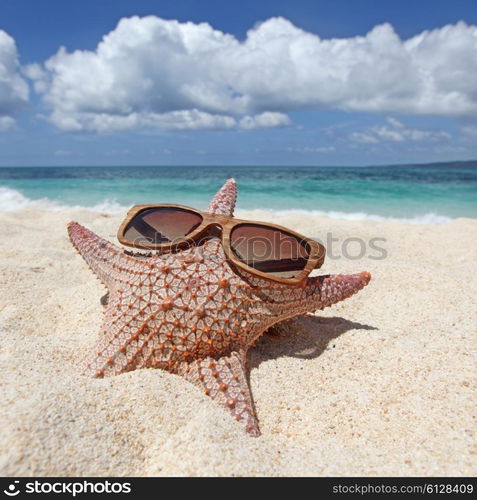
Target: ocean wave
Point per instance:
(12, 200)
(428, 218)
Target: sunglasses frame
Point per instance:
(227, 223)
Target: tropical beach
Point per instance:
(319, 323)
(380, 384)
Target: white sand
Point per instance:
(383, 383)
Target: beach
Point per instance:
(383, 383)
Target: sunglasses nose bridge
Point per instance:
(218, 225)
(217, 220)
(215, 227)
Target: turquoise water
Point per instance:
(435, 192)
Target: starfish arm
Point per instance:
(102, 257)
(225, 381)
(224, 201)
(324, 291)
(127, 340)
(109, 356)
(317, 293)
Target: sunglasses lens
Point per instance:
(270, 251)
(161, 225)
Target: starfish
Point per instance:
(192, 313)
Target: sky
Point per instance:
(143, 82)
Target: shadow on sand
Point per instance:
(304, 337)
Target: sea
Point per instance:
(431, 193)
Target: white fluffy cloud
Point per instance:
(188, 119)
(13, 88)
(151, 72)
(395, 131)
(6, 123)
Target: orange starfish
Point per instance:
(191, 313)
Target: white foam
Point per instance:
(429, 218)
(12, 200)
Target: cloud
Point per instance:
(396, 131)
(117, 152)
(363, 137)
(189, 119)
(151, 72)
(469, 132)
(313, 149)
(266, 119)
(394, 122)
(62, 152)
(13, 88)
(6, 123)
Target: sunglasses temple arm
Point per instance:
(321, 257)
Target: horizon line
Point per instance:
(248, 166)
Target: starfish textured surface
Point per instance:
(191, 313)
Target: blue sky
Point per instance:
(267, 83)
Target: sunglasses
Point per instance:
(266, 250)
